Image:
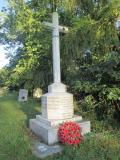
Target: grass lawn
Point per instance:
(16, 139)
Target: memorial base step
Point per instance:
(47, 131)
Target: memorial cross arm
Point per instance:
(62, 29)
(54, 26)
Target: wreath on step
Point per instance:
(70, 133)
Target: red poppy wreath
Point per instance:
(70, 133)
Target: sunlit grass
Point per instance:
(14, 139)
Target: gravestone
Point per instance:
(37, 93)
(57, 104)
(23, 95)
(118, 24)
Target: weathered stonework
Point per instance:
(57, 106)
(57, 88)
(23, 95)
(55, 123)
(49, 134)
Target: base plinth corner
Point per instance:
(49, 134)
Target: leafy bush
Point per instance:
(97, 90)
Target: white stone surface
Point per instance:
(56, 49)
(57, 106)
(54, 123)
(56, 45)
(46, 133)
(49, 135)
(85, 126)
(50, 26)
(23, 95)
(57, 88)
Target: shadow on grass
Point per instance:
(31, 108)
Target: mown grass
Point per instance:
(15, 139)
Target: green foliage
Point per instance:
(90, 52)
(24, 29)
(97, 89)
(4, 74)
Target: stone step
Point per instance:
(57, 122)
(49, 134)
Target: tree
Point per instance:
(89, 52)
(4, 74)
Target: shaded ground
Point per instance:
(15, 137)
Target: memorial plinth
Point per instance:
(57, 103)
(57, 107)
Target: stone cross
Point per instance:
(57, 104)
(56, 46)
